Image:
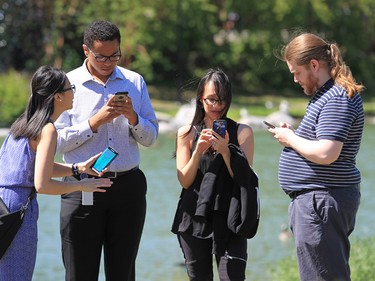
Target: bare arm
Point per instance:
(44, 169)
(318, 151)
(187, 163)
(61, 169)
(246, 142)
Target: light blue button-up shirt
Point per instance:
(77, 142)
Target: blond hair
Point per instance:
(307, 46)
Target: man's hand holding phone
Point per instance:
(282, 134)
(121, 97)
(269, 125)
(105, 115)
(122, 104)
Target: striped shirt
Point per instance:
(330, 115)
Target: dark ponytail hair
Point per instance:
(45, 83)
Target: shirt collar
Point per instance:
(326, 86)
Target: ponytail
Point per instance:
(307, 46)
(341, 73)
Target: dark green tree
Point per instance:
(172, 42)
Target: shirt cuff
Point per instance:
(136, 126)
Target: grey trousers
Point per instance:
(321, 221)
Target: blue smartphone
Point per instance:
(220, 126)
(108, 155)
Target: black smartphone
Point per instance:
(269, 125)
(120, 96)
(108, 155)
(220, 126)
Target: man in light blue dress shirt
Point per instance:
(115, 219)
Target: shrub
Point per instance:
(14, 94)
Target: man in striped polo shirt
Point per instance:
(317, 167)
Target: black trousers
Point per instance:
(198, 255)
(114, 223)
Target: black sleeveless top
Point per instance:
(185, 219)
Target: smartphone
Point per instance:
(108, 155)
(220, 126)
(269, 125)
(120, 96)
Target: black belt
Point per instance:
(294, 194)
(112, 175)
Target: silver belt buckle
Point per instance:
(115, 175)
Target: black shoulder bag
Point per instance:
(10, 222)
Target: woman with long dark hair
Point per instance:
(204, 161)
(27, 158)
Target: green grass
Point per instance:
(362, 260)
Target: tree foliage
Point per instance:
(14, 94)
(170, 42)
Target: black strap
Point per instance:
(232, 129)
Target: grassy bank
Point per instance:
(362, 259)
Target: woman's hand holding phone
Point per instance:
(85, 167)
(220, 127)
(103, 161)
(204, 142)
(97, 164)
(220, 138)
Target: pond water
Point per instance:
(160, 258)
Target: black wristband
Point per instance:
(75, 170)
